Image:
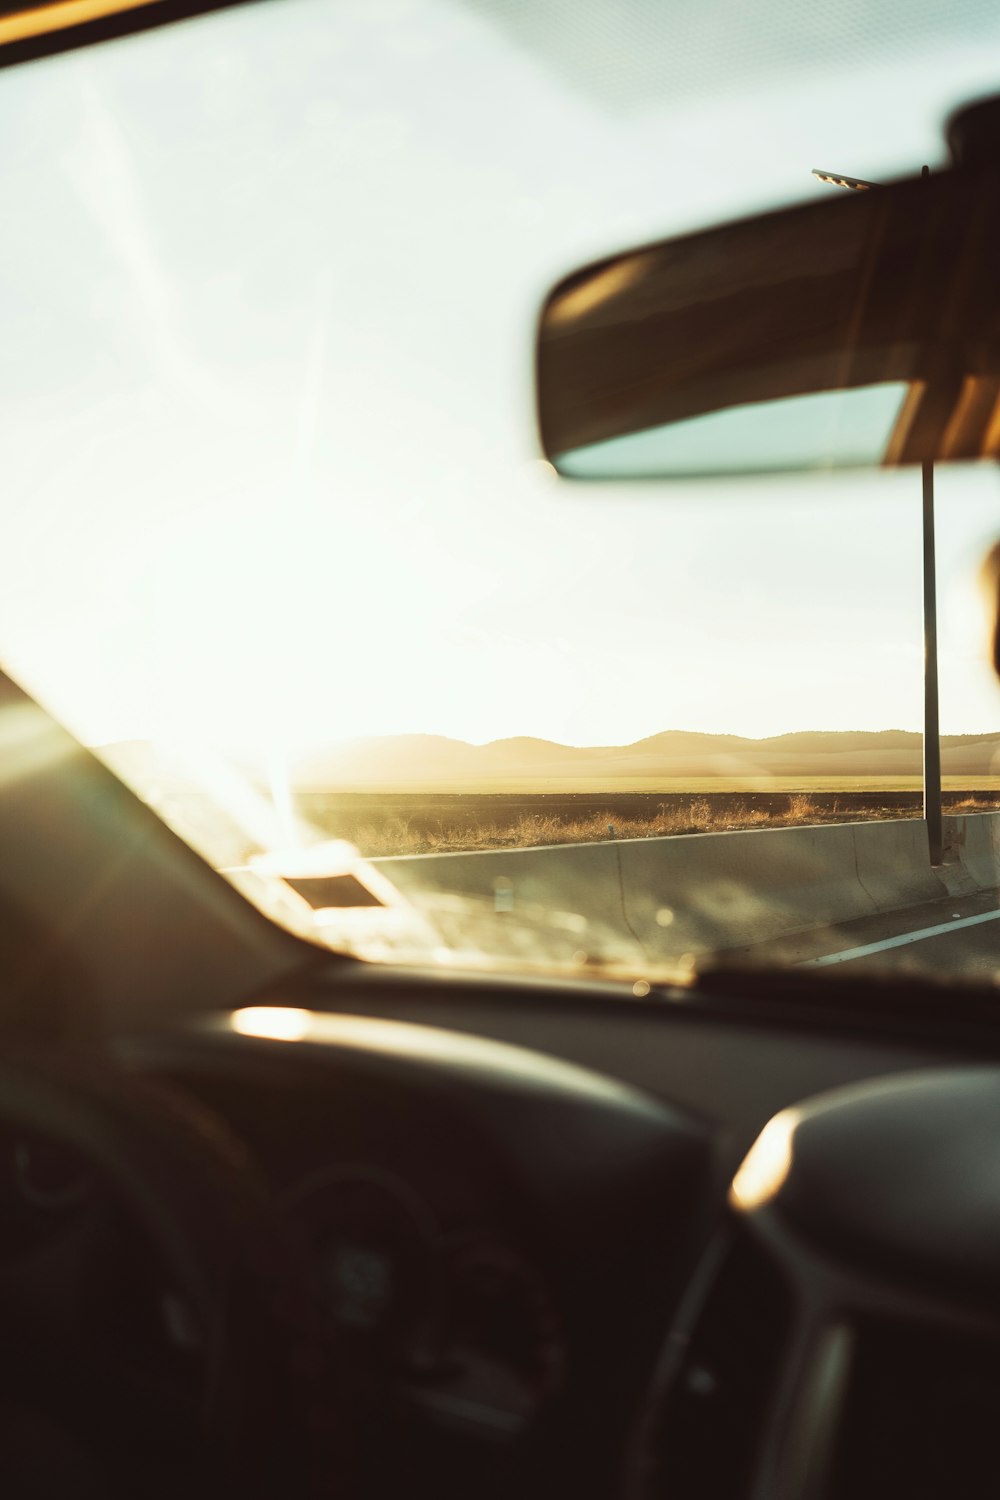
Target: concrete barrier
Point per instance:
(622, 900)
(709, 892)
(567, 897)
(972, 840)
(894, 863)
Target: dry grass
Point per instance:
(700, 815)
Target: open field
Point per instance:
(386, 823)
(648, 786)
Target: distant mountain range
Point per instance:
(427, 762)
(434, 762)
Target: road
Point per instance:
(959, 935)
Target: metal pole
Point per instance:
(932, 737)
(932, 727)
(932, 731)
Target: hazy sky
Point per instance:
(269, 281)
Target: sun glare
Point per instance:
(767, 1164)
(272, 1023)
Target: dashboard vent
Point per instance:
(714, 1412)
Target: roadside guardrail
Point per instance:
(664, 898)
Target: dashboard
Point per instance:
(484, 1230)
(612, 1314)
(520, 1272)
(514, 1271)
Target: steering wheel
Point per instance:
(74, 1421)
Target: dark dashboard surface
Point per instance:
(731, 1059)
(503, 1240)
(507, 1203)
(494, 1236)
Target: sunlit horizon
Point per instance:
(988, 732)
(270, 454)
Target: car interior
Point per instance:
(277, 1219)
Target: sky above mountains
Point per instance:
(270, 463)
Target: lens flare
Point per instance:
(276, 1023)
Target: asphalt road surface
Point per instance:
(957, 936)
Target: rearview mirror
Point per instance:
(857, 330)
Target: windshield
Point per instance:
(279, 545)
